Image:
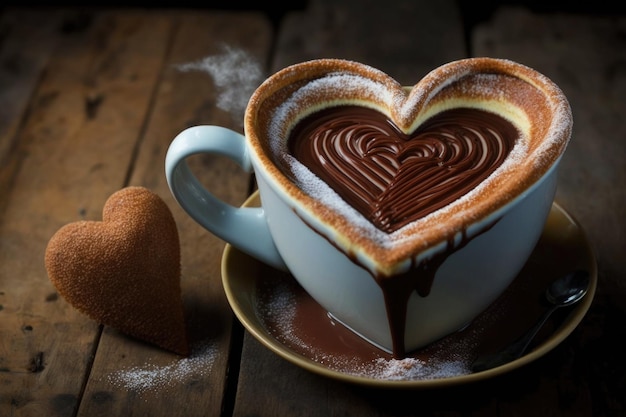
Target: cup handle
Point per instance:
(243, 227)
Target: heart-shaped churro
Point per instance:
(387, 171)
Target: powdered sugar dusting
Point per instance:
(412, 368)
(280, 310)
(151, 377)
(235, 74)
(343, 88)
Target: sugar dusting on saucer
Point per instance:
(447, 358)
(437, 366)
(151, 377)
(280, 311)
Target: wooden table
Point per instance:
(89, 102)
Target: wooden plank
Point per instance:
(584, 55)
(28, 39)
(77, 145)
(101, 117)
(406, 40)
(133, 379)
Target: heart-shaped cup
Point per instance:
(404, 211)
(124, 271)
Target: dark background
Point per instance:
(473, 11)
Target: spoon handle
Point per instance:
(514, 350)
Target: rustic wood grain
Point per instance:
(86, 121)
(90, 99)
(26, 42)
(406, 39)
(183, 99)
(83, 122)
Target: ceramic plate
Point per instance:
(277, 312)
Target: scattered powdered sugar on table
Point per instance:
(235, 74)
(152, 377)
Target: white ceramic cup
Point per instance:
(286, 233)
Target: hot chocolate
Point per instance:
(393, 178)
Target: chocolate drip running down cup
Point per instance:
(403, 211)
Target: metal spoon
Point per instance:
(563, 292)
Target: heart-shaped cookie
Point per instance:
(124, 271)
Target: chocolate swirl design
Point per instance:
(393, 178)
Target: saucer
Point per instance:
(283, 317)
